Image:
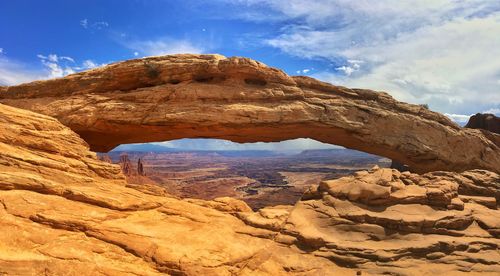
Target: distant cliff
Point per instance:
(486, 121)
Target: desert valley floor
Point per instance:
(260, 178)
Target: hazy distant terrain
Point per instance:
(259, 177)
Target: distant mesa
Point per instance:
(485, 121)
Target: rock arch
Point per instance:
(242, 100)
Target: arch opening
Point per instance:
(261, 174)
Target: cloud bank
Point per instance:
(440, 52)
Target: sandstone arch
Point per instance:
(242, 100)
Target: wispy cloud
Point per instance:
(459, 118)
(97, 25)
(163, 46)
(462, 119)
(304, 71)
(84, 23)
(14, 72)
(441, 52)
(57, 66)
(351, 67)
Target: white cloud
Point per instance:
(495, 111)
(84, 23)
(304, 71)
(353, 66)
(14, 72)
(98, 25)
(56, 65)
(1, 50)
(459, 118)
(67, 58)
(441, 52)
(89, 64)
(164, 46)
(136, 54)
(60, 66)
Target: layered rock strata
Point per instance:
(387, 222)
(64, 212)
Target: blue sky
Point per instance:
(445, 53)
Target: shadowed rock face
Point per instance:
(239, 99)
(488, 122)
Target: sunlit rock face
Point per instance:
(239, 99)
(65, 212)
(389, 222)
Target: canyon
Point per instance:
(259, 178)
(66, 212)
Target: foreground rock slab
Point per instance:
(239, 99)
(386, 222)
(64, 212)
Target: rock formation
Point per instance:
(399, 166)
(105, 157)
(389, 222)
(125, 164)
(64, 212)
(488, 122)
(140, 167)
(239, 99)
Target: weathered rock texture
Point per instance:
(389, 222)
(64, 212)
(488, 122)
(239, 99)
(125, 164)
